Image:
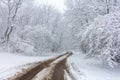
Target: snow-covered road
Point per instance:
(51, 68)
(79, 67)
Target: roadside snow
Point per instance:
(92, 69)
(10, 63)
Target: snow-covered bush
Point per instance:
(42, 39)
(19, 45)
(102, 38)
(23, 48)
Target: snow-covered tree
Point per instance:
(102, 38)
(79, 15)
(12, 7)
(42, 39)
(21, 19)
(33, 23)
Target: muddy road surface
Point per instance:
(51, 69)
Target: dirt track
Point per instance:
(59, 71)
(55, 67)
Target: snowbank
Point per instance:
(9, 62)
(92, 69)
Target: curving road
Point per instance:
(52, 69)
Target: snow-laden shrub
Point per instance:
(23, 48)
(102, 38)
(18, 45)
(42, 39)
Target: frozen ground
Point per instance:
(93, 69)
(82, 68)
(10, 63)
(8, 60)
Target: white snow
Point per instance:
(10, 63)
(92, 69)
(82, 68)
(102, 38)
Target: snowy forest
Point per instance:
(89, 26)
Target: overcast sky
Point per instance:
(57, 3)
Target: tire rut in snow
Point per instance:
(33, 71)
(58, 73)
